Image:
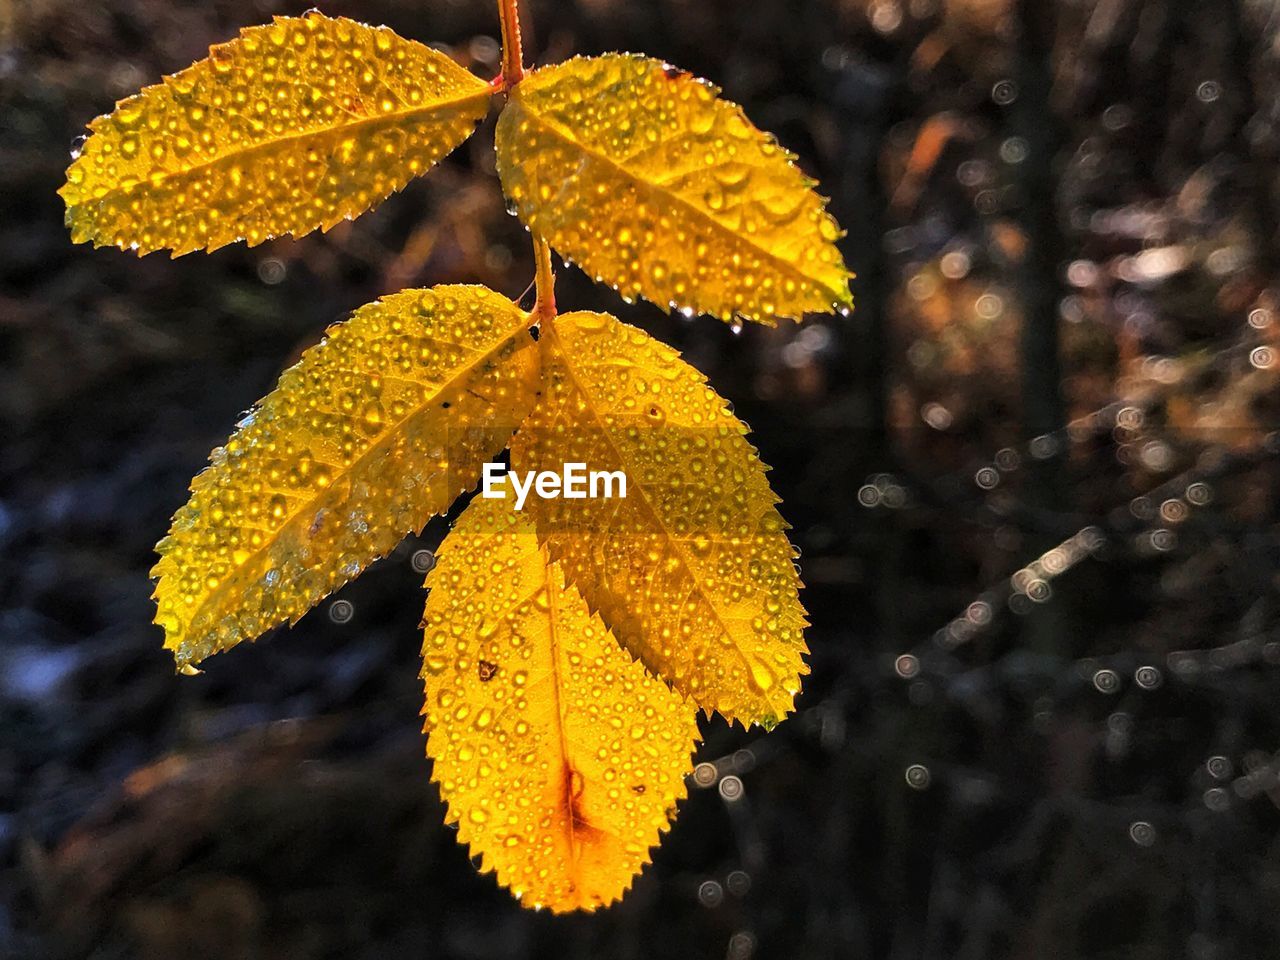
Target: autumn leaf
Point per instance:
(561, 760)
(692, 570)
(638, 172)
(298, 124)
(376, 429)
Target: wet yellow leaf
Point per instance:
(692, 570)
(295, 125)
(377, 428)
(561, 760)
(638, 172)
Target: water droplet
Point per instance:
(710, 894)
(731, 789)
(341, 611)
(1142, 833)
(705, 774)
(918, 776)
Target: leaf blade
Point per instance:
(374, 430)
(560, 759)
(641, 174)
(692, 570)
(293, 126)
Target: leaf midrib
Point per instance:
(684, 557)
(553, 643)
(392, 119)
(379, 444)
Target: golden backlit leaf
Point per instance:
(377, 428)
(692, 570)
(638, 172)
(561, 760)
(295, 125)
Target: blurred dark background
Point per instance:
(1033, 477)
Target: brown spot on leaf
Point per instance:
(317, 522)
(584, 831)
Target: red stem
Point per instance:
(512, 55)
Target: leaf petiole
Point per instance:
(544, 305)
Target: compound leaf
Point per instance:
(377, 428)
(297, 124)
(692, 570)
(640, 173)
(560, 758)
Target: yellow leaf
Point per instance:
(376, 429)
(295, 125)
(692, 569)
(560, 759)
(638, 172)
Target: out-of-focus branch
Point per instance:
(1043, 414)
(1038, 279)
(1257, 172)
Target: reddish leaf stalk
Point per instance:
(544, 306)
(512, 54)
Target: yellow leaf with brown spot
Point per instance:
(377, 428)
(298, 124)
(642, 175)
(560, 758)
(692, 569)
